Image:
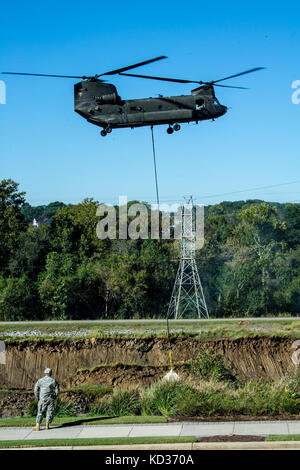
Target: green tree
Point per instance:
(261, 231)
(30, 256)
(11, 219)
(73, 230)
(19, 299)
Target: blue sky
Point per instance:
(56, 155)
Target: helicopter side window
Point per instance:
(199, 103)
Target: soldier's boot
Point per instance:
(37, 427)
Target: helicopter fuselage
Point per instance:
(100, 104)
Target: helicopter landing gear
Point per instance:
(171, 129)
(106, 131)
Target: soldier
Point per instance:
(45, 390)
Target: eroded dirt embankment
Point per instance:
(252, 358)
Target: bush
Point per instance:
(161, 399)
(209, 366)
(101, 406)
(188, 401)
(32, 409)
(291, 380)
(120, 403)
(125, 403)
(63, 408)
(254, 399)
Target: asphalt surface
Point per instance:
(162, 320)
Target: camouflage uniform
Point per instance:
(46, 390)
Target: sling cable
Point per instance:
(170, 376)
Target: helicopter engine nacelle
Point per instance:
(90, 93)
(112, 98)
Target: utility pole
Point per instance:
(187, 298)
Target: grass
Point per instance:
(90, 390)
(98, 441)
(283, 437)
(198, 329)
(84, 420)
(113, 441)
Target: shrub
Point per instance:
(161, 398)
(32, 409)
(101, 406)
(120, 403)
(124, 403)
(188, 401)
(264, 399)
(62, 408)
(209, 365)
(291, 380)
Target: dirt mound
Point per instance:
(121, 375)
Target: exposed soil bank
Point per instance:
(15, 403)
(258, 358)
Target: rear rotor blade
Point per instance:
(238, 74)
(129, 67)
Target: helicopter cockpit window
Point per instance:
(199, 103)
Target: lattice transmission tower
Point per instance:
(187, 298)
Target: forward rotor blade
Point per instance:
(129, 67)
(177, 80)
(43, 75)
(238, 74)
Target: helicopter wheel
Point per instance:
(103, 133)
(170, 130)
(108, 130)
(177, 127)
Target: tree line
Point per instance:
(249, 265)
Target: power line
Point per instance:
(257, 188)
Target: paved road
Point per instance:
(262, 428)
(162, 320)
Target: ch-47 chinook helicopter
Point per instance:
(99, 103)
